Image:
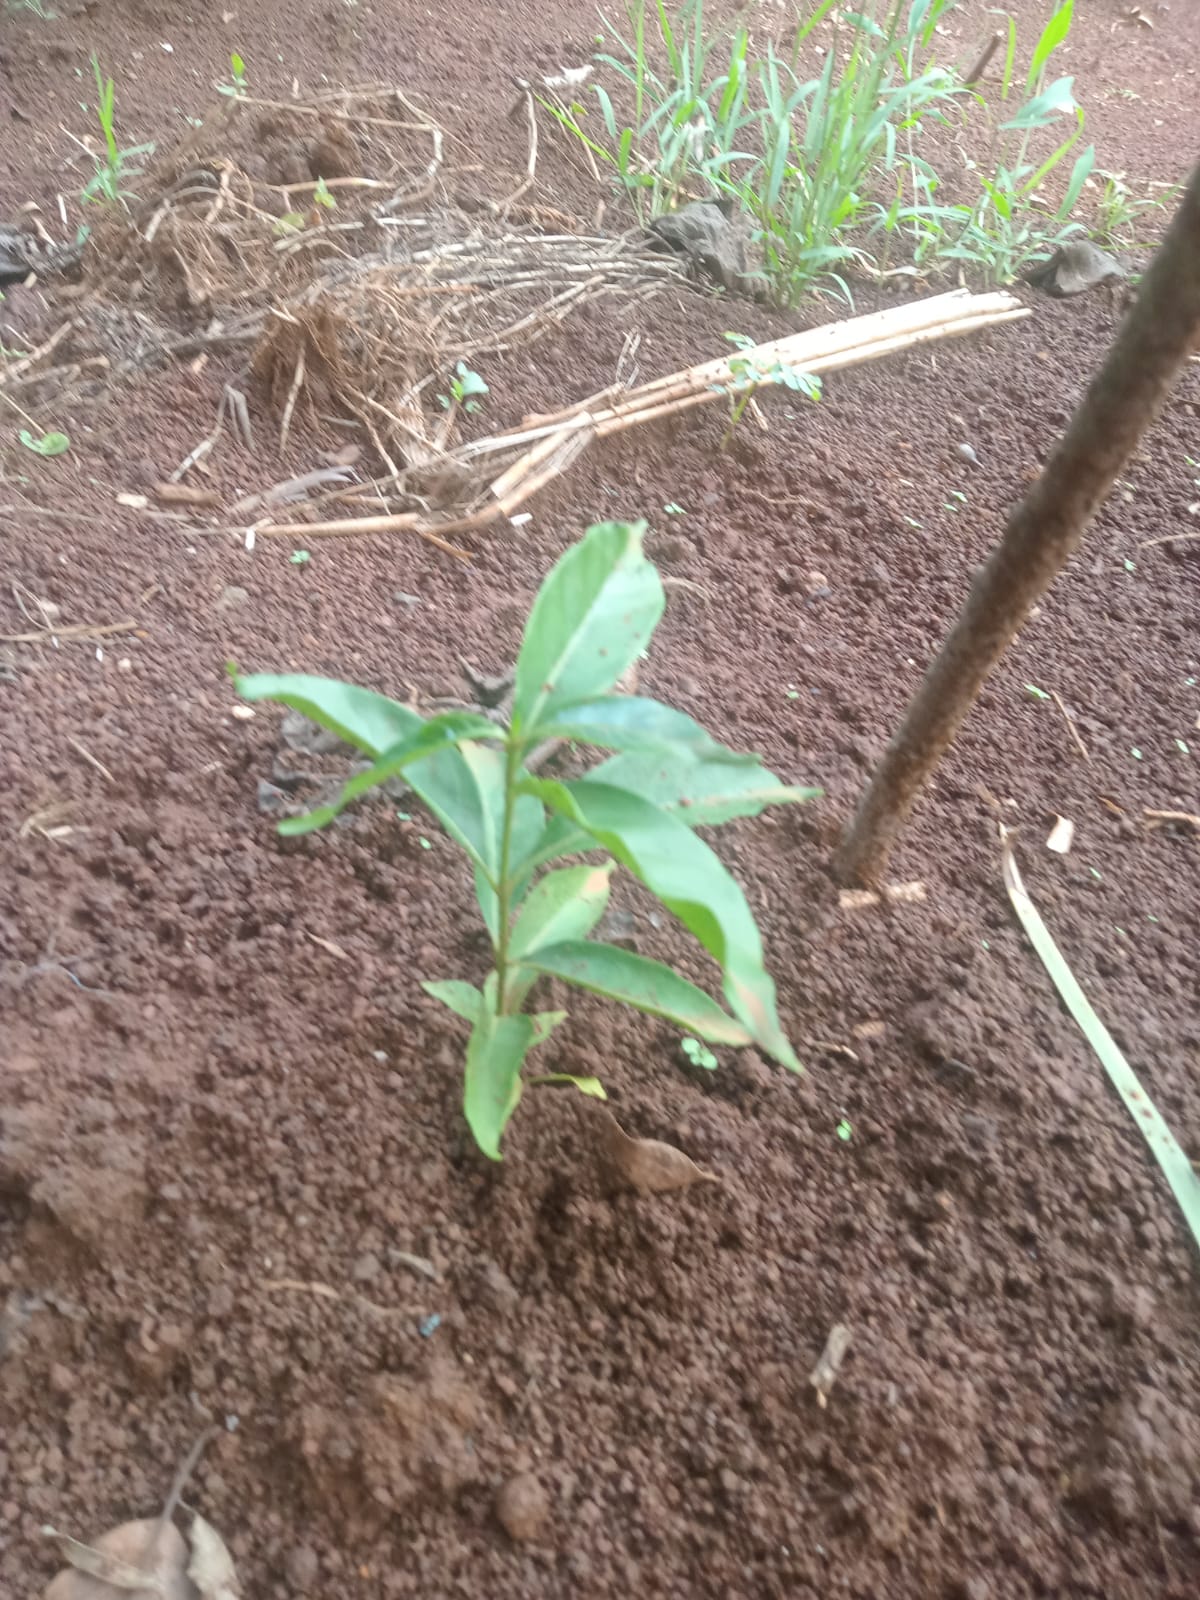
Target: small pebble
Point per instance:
(522, 1507)
(366, 1268)
(965, 453)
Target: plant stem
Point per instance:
(512, 765)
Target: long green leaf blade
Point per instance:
(631, 722)
(593, 616)
(370, 722)
(691, 882)
(453, 728)
(700, 790)
(1176, 1168)
(463, 786)
(617, 974)
(496, 1051)
(1052, 36)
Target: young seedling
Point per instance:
(107, 184)
(749, 376)
(592, 618)
(45, 444)
(465, 387)
(238, 88)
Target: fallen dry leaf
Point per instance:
(824, 1375)
(897, 893)
(648, 1165)
(872, 1029)
(183, 494)
(211, 1566)
(1061, 836)
(117, 1564)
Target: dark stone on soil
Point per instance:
(1074, 267)
(706, 237)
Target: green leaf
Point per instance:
(462, 785)
(698, 1054)
(593, 616)
(45, 444)
(635, 980)
(451, 728)
(703, 789)
(1053, 34)
(464, 999)
(370, 722)
(1057, 100)
(1176, 1168)
(545, 1022)
(629, 722)
(469, 382)
(564, 905)
(495, 1053)
(694, 886)
(589, 1086)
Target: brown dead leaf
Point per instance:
(118, 1563)
(211, 1566)
(824, 1375)
(184, 494)
(648, 1165)
(871, 1029)
(897, 893)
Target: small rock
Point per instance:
(965, 453)
(366, 1268)
(301, 1567)
(496, 1288)
(301, 733)
(232, 596)
(272, 802)
(1074, 267)
(522, 1507)
(62, 1379)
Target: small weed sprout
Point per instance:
(45, 444)
(107, 185)
(35, 8)
(466, 390)
(592, 618)
(697, 1053)
(323, 197)
(238, 87)
(749, 376)
(1009, 227)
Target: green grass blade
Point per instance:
(1053, 34)
(1176, 1168)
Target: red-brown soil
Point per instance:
(230, 1116)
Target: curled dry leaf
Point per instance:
(648, 1165)
(183, 494)
(211, 1566)
(121, 1564)
(896, 893)
(824, 1375)
(1061, 836)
